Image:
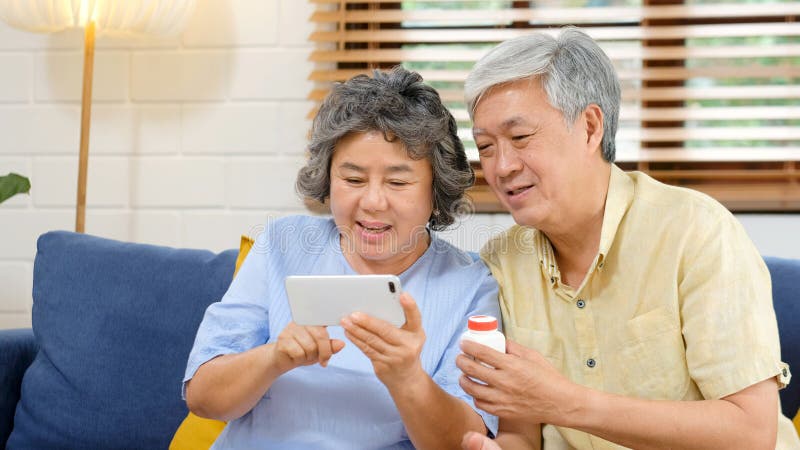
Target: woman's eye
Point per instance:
(354, 180)
(483, 146)
(398, 183)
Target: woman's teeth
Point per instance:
(376, 229)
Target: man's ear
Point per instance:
(593, 121)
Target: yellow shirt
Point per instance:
(677, 304)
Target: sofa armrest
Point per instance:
(17, 350)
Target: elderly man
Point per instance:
(638, 314)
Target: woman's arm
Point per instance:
(511, 436)
(228, 386)
(518, 435)
(433, 418)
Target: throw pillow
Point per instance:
(797, 423)
(195, 432)
(114, 322)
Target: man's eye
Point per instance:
(354, 180)
(398, 183)
(483, 146)
(521, 137)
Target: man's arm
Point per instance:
(745, 419)
(525, 387)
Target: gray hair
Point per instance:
(573, 69)
(398, 104)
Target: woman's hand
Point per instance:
(394, 352)
(304, 345)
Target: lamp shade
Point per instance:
(151, 17)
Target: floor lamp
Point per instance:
(122, 17)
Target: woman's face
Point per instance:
(381, 201)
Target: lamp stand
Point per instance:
(86, 119)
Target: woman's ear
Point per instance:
(593, 120)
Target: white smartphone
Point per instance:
(325, 299)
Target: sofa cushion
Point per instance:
(785, 274)
(114, 323)
(17, 350)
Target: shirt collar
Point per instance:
(546, 255)
(618, 200)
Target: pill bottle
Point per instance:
(483, 330)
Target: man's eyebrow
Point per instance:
(511, 122)
(506, 124)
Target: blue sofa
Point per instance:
(113, 324)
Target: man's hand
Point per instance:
(523, 386)
(394, 352)
(477, 441)
(304, 345)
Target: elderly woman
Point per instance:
(385, 153)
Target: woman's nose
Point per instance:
(374, 198)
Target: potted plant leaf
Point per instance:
(13, 184)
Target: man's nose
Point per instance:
(508, 160)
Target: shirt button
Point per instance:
(785, 372)
(591, 362)
(580, 304)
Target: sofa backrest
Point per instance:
(785, 274)
(114, 323)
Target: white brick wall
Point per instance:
(194, 139)
(58, 76)
(17, 75)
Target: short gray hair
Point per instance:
(573, 69)
(398, 104)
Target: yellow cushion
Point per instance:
(195, 432)
(797, 423)
(244, 248)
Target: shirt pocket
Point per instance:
(550, 346)
(653, 357)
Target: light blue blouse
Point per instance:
(342, 406)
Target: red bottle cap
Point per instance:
(482, 323)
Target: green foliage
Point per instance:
(13, 184)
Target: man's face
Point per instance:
(531, 160)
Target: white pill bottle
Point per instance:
(483, 330)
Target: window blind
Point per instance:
(710, 91)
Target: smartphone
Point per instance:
(325, 299)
